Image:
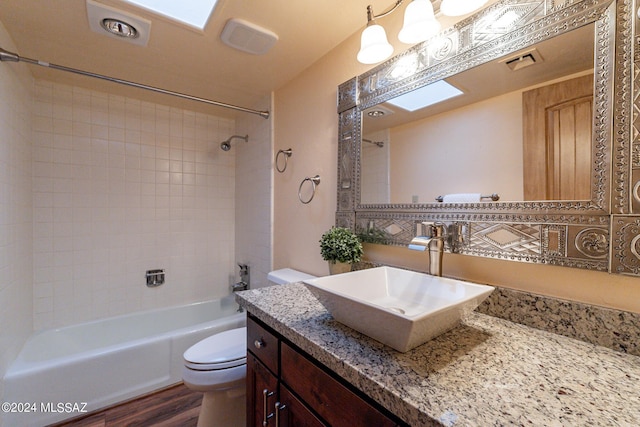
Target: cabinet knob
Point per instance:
(259, 343)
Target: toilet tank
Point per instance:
(287, 275)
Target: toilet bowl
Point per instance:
(217, 366)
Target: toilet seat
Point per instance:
(221, 351)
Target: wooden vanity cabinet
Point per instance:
(262, 374)
(262, 393)
(292, 412)
(285, 387)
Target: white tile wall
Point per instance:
(15, 208)
(376, 187)
(121, 186)
(254, 194)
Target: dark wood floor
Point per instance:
(173, 406)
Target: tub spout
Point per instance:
(240, 286)
(244, 282)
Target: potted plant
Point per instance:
(341, 248)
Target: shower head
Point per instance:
(226, 145)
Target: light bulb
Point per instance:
(374, 46)
(419, 22)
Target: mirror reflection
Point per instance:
(521, 128)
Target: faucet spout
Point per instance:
(436, 251)
(240, 286)
(433, 242)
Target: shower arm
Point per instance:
(244, 138)
(13, 57)
(226, 144)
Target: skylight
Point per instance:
(425, 96)
(191, 12)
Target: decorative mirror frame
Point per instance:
(568, 233)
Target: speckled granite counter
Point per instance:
(486, 372)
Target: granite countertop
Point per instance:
(487, 371)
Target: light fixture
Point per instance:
(119, 28)
(419, 24)
(117, 24)
(375, 113)
(460, 7)
(374, 46)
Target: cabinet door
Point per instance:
(262, 396)
(335, 403)
(290, 412)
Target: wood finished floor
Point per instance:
(173, 406)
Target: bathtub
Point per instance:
(63, 373)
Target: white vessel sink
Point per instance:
(399, 308)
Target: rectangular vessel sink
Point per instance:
(397, 307)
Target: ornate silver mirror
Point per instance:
(534, 122)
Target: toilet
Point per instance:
(287, 275)
(217, 366)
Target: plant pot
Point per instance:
(336, 267)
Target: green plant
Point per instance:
(340, 245)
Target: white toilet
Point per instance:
(217, 366)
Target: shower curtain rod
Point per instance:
(13, 57)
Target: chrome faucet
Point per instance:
(429, 236)
(245, 280)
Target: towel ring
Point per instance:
(315, 181)
(287, 153)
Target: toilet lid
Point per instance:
(224, 350)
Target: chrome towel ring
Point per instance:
(315, 181)
(287, 153)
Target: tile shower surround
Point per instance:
(16, 210)
(121, 186)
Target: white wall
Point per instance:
(15, 207)
(121, 186)
(438, 156)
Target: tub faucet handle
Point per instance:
(245, 279)
(244, 274)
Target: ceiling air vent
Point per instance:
(248, 37)
(523, 60)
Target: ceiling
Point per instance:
(179, 58)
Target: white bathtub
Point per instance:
(61, 373)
